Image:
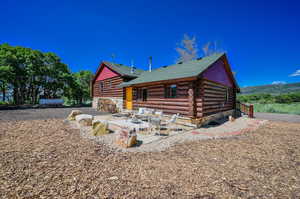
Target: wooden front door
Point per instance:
(129, 98)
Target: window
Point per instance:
(101, 86)
(110, 84)
(145, 94)
(171, 91)
(227, 95)
(139, 94)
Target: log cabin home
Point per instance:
(194, 89)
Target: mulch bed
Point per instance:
(252, 127)
(44, 158)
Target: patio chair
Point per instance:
(172, 121)
(159, 113)
(156, 122)
(142, 114)
(141, 111)
(147, 111)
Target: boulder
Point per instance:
(127, 138)
(100, 128)
(73, 114)
(84, 119)
(107, 105)
(132, 140)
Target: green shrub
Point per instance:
(293, 108)
(267, 98)
(4, 103)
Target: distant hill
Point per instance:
(272, 89)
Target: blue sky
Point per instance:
(261, 38)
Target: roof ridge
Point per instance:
(176, 71)
(191, 61)
(120, 65)
(115, 63)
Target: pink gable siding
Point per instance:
(106, 73)
(218, 74)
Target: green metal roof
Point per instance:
(123, 70)
(176, 71)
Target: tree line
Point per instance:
(29, 75)
(269, 99)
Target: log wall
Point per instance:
(108, 91)
(156, 99)
(198, 98)
(212, 98)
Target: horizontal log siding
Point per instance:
(108, 91)
(213, 98)
(199, 92)
(156, 99)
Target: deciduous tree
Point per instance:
(33, 74)
(187, 49)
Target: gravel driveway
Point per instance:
(278, 117)
(42, 114)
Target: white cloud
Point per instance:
(297, 73)
(279, 82)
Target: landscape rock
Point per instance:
(100, 128)
(127, 138)
(84, 119)
(107, 105)
(132, 140)
(73, 114)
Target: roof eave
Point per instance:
(126, 84)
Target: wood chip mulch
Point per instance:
(46, 159)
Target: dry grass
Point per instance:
(42, 159)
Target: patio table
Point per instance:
(129, 124)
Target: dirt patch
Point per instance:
(44, 158)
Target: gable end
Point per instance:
(104, 72)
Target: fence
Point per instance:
(245, 108)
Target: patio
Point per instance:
(149, 138)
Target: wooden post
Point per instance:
(191, 99)
(251, 113)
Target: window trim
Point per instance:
(144, 97)
(168, 91)
(140, 94)
(227, 95)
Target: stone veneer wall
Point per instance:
(117, 100)
(95, 102)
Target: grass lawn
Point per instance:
(293, 108)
